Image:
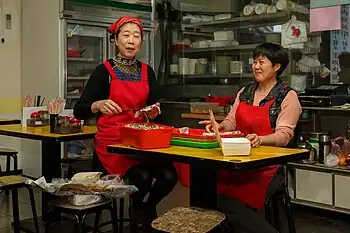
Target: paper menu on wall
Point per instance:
(340, 42)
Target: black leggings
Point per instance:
(157, 180)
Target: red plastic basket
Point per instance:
(198, 134)
(146, 139)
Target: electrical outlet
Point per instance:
(8, 21)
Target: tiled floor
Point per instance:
(307, 220)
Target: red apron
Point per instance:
(128, 95)
(249, 186)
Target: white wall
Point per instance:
(40, 76)
(10, 67)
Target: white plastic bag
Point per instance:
(294, 34)
(80, 200)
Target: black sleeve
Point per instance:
(153, 95)
(97, 88)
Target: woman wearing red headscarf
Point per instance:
(118, 85)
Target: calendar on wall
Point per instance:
(340, 42)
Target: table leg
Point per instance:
(203, 192)
(50, 168)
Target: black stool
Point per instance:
(81, 212)
(13, 183)
(120, 219)
(98, 167)
(277, 193)
(10, 153)
(188, 219)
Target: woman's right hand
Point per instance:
(106, 107)
(209, 127)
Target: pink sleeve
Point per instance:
(287, 119)
(231, 117)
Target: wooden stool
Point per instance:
(81, 212)
(10, 153)
(189, 220)
(13, 183)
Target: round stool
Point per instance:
(189, 220)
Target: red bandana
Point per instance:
(123, 20)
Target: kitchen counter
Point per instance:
(218, 117)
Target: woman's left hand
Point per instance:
(254, 139)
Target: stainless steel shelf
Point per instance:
(326, 109)
(194, 33)
(248, 21)
(73, 96)
(320, 167)
(320, 206)
(80, 59)
(207, 76)
(225, 48)
(78, 78)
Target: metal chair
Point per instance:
(81, 212)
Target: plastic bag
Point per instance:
(81, 200)
(340, 146)
(294, 34)
(340, 149)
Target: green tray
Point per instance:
(194, 144)
(193, 139)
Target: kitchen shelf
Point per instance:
(78, 78)
(326, 109)
(207, 76)
(195, 33)
(320, 206)
(80, 59)
(198, 116)
(224, 48)
(321, 168)
(73, 96)
(249, 21)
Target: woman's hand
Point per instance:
(209, 127)
(254, 139)
(106, 107)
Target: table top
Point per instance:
(259, 157)
(4, 121)
(43, 132)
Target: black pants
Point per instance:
(242, 218)
(154, 180)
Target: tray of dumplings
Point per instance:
(87, 183)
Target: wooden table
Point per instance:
(50, 148)
(204, 164)
(9, 121)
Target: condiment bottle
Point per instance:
(325, 147)
(35, 116)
